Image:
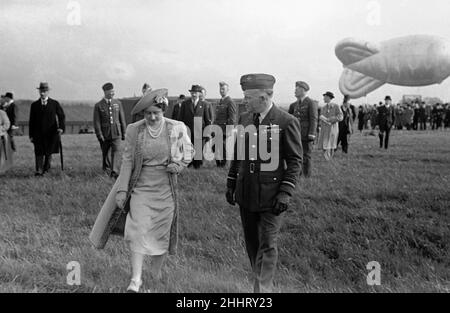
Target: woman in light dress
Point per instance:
(330, 117)
(157, 149)
(5, 145)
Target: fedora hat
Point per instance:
(329, 94)
(196, 88)
(387, 98)
(43, 86)
(149, 99)
(9, 95)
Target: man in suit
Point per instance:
(11, 110)
(47, 124)
(306, 111)
(226, 114)
(385, 120)
(196, 109)
(110, 127)
(346, 125)
(176, 108)
(261, 185)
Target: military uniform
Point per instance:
(306, 111)
(226, 114)
(110, 127)
(256, 187)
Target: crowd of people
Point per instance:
(414, 115)
(143, 206)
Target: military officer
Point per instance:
(226, 114)
(263, 192)
(110, 127)
(307, 112)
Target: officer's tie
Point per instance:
(256, 121)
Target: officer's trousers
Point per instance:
(307, 151)
(261, 232)
(110, 161)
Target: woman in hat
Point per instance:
(157, 149)
(330, 117)
(5, 146)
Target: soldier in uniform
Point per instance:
(263, 193)
(385, 120)
(226, 114)
(110, 127)
(47, 123)
(306, 111)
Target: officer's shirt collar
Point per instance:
(264, 114)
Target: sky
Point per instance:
(77, 46)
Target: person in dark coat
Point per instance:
(226, 114)
(263, 188)
(110, 127)
(306, 111)
(176, 108)
(361, 118)
(346, 125)
(423, 117)
(385, 120)
(196, 108)
(47, 124)
(11, 110)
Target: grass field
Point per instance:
(391, 206)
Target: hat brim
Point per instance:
(148, 100)
(43, 89)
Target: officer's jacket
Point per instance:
(308, 115)
(226, 113)
(257, 183)
(109, 120)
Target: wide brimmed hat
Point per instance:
(149, 99)
(9, 95)
(329, 94)
(196, 88)
(388, 98)
(43, 86)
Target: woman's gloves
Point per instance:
(121, 197)
(172, 168)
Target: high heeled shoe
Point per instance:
(134, 286)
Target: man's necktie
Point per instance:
(256, 121)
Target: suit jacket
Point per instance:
(385, 117)
(346, 125)
(11, 111)
(109, 122)
(176, 111)
(111, 219)
(255, 190)
(307, 113)
(188, 112)
(226, 113)
(45, 120)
